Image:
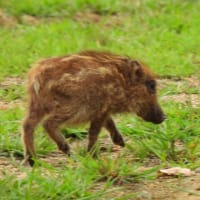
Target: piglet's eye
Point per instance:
(151, 86)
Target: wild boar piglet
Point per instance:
(87, 87)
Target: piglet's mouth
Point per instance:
(155, 116)
(154, 120)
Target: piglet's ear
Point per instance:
(137, 69)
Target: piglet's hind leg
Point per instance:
(51, 125)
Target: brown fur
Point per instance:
(87, 87)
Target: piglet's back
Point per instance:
(76, 72)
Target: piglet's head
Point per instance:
(143, 97)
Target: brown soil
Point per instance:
(11, 81)
(183, 98)
(7, 21)
(93, 17)
(87, 17)
(4, 105)
(9, 105)
(192, 99)
(11, 21)
(162, 188)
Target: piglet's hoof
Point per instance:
(65, 149)
(28, 161)
(118, 140)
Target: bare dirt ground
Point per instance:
(183, 98)
(4, 105)
(162, 188)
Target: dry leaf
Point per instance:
(175, 171)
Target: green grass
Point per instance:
(12, 92)
(52, 8)
(164, 34)
(151, 140)
(63, 184)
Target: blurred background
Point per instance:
(165, 34)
